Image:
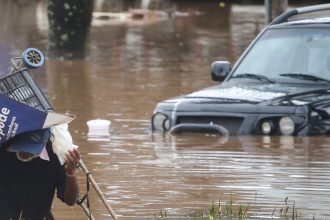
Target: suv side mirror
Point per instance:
(220, 70)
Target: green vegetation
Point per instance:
(231, 210)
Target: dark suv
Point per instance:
(279, 86)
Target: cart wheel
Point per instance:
(33, 58)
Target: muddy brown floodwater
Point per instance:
(131, 66)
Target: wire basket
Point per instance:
(19, 84)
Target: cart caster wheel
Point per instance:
(33, 58)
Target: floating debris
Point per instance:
(98, 130)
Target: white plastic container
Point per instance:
(98, 129)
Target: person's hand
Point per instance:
(71, 161)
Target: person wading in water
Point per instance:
(28, 182)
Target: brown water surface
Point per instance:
(132, 65)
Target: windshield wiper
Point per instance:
(304, 76)
(254, 76)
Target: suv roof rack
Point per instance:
(303, 10)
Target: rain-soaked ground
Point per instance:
(132, 65)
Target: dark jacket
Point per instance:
(28, 188)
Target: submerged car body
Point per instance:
(279, 86)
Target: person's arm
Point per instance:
(71, 192)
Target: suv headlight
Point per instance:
(286, 125)
(160, 122)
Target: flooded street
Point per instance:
(131, 66)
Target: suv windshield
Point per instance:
(285, 52)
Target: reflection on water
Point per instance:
(132, 67)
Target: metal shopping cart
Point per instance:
(19, 84)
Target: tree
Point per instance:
(69, 24)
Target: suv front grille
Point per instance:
(232, 124)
